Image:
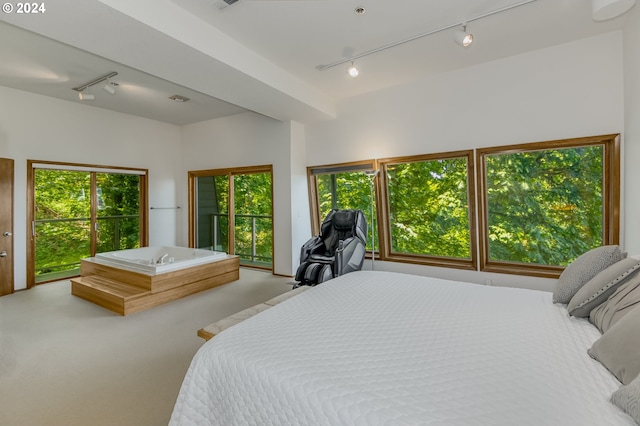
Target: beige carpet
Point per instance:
(65, 361)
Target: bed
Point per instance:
(382, 348)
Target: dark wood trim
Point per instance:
(31, 215)
(93, 212)
(314, 206)
(7, 182)
(231, 212)
(144, 209)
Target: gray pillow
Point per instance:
(620, 303)
(599, 288)
(585, 267)
(627, 398)
(619, 348)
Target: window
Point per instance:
(429, 216)
(231, 210)
(76, 211)
(539, 205)
(343, 186)
(544, 204)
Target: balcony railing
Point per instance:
(253, 257)
(76, 246)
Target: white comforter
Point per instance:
(378, 348)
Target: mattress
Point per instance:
(381, 348)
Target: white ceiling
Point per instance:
(261, 55)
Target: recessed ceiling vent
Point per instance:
(179, 98)
(221, 4)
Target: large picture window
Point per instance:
(544, 204)
(429, 214)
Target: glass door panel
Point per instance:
(253, 225)
(212, 210)
(62, 224)
(117, 211)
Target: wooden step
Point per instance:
(111, 294)
(126, 299)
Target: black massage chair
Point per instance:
(339, 249)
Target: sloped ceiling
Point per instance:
(261, 55)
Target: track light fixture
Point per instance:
(463, 38)
(353, 71)
(428, 33)
(109, 87)
(86, 96)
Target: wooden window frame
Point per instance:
(312, 181)
(230, 172)
(478, 213)
(32, 166)
(611, 199)
(384, 218)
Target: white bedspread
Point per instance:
(378, 348)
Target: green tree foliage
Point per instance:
(252, 207)
(118, 211)
(347, 190)
(63, 216)
(252, 202)
(545, 207)
(428, 208)
(62, 212)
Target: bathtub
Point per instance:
(146, 260)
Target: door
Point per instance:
(76, 211)
(6, 226)
(231, 210)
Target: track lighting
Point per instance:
(353, 71)
(110, 88)
(86, 96)
(608, 9)
(463, 38)
(464, 41)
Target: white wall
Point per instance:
(42, 128)
(632, 129)
(566, 91)
(250, 139)
(300, 213)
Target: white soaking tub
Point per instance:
(157, 260)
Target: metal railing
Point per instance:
(253, 257)
(62, 268)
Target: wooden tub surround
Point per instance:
(126, 292)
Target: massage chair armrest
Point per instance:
(310, 247)
(349, 256)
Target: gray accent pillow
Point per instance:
(627, 398)
(585, 267)
(625, 298)
(619, 348)
(598, 289)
